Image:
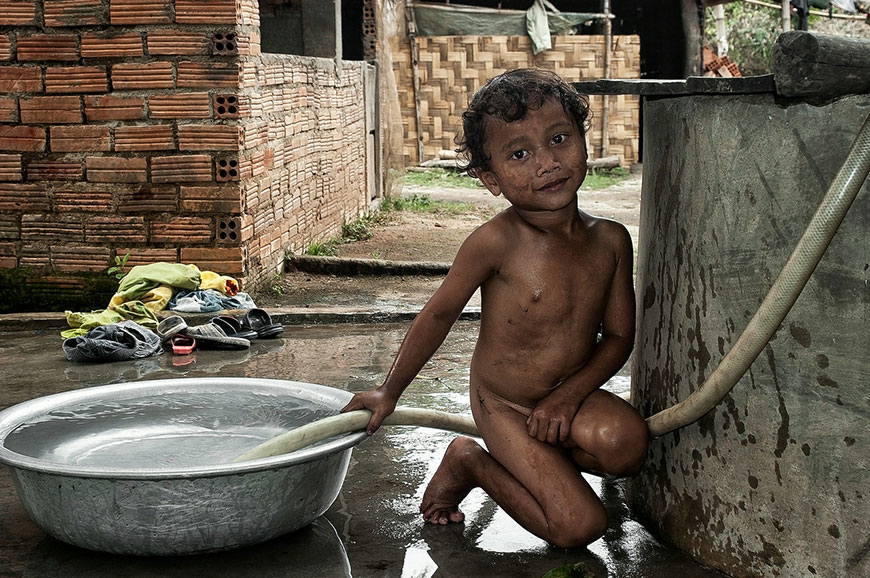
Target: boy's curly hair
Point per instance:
(509, 97)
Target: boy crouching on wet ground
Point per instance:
(557, 321)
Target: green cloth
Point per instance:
(143, 278)
(82, 323)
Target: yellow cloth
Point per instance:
(222, 283)
(144, 278)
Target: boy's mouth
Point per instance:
(553, 185)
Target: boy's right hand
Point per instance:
(376, 401)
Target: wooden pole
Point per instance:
(786, 16)
(605, 112)
(415, 74)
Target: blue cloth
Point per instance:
(113, 342)
(208, 300)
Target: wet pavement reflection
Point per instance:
(373, 528)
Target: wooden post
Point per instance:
(415, 74)
(605, 113)
(821, 66)
(786, 16)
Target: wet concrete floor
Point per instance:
(373, 529)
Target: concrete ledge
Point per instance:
(342, 266)
(691, 85)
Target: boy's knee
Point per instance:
(579, 533)
(625, 449)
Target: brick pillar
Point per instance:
(114, 132)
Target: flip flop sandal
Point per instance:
(182, 344)
(210, 336)
(170, 326)
(258, 320)
(233, 327)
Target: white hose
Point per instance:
(352, 421)
(782, 295)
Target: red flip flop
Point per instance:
(182, 344)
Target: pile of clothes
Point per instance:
(129, 329)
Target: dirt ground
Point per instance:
(429, 237)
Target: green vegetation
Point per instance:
(751, 32)
(116, 271)
(441, 178)
(603, 178)
(423, 204)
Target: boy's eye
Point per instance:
(519, 155)
(559, 138)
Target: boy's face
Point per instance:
(537, 163)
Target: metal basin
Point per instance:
(144, 468)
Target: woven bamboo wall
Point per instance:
(452, 68)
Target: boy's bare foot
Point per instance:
(450, 484)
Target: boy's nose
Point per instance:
(546, 162)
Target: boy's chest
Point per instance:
(552, 282)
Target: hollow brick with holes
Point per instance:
(226, 169)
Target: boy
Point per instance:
(557, 321)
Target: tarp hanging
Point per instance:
(456, 20)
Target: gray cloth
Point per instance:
(208, 301)
(456, 20)
(113, 342)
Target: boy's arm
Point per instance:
(471, 267)
(551, 419)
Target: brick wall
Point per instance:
(156, 127)
(452, 68)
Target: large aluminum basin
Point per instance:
(145, 468)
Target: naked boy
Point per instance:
(557, 321)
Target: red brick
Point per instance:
(173, 42)
(116, 170)
(17, 12)
(234, 230)
(184, 105)
(182, 230)
(144, 138)
(76, 79)
(181, 168)
(119, 45)
(140, 256)
(8, 109)
(51, 110)
(82, 198)
(142, 76)
(141, 12)
(208, 75)
(48, 47)
(20, 79)
(10, 167)
(199, 137)
(84, 138)
(149, 199)
(23, 197)
(74, 257)
(226, 170)
(36, 227)
(118, 229)
(226, 199)
(231, 106)
(98, 108)
(22, 138)
(59, 13)
(5, 47)
(54, 170)
(223, 260)
(205, 12)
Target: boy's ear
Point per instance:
(490, 181)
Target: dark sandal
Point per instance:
(233, 327)
(258, 320)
